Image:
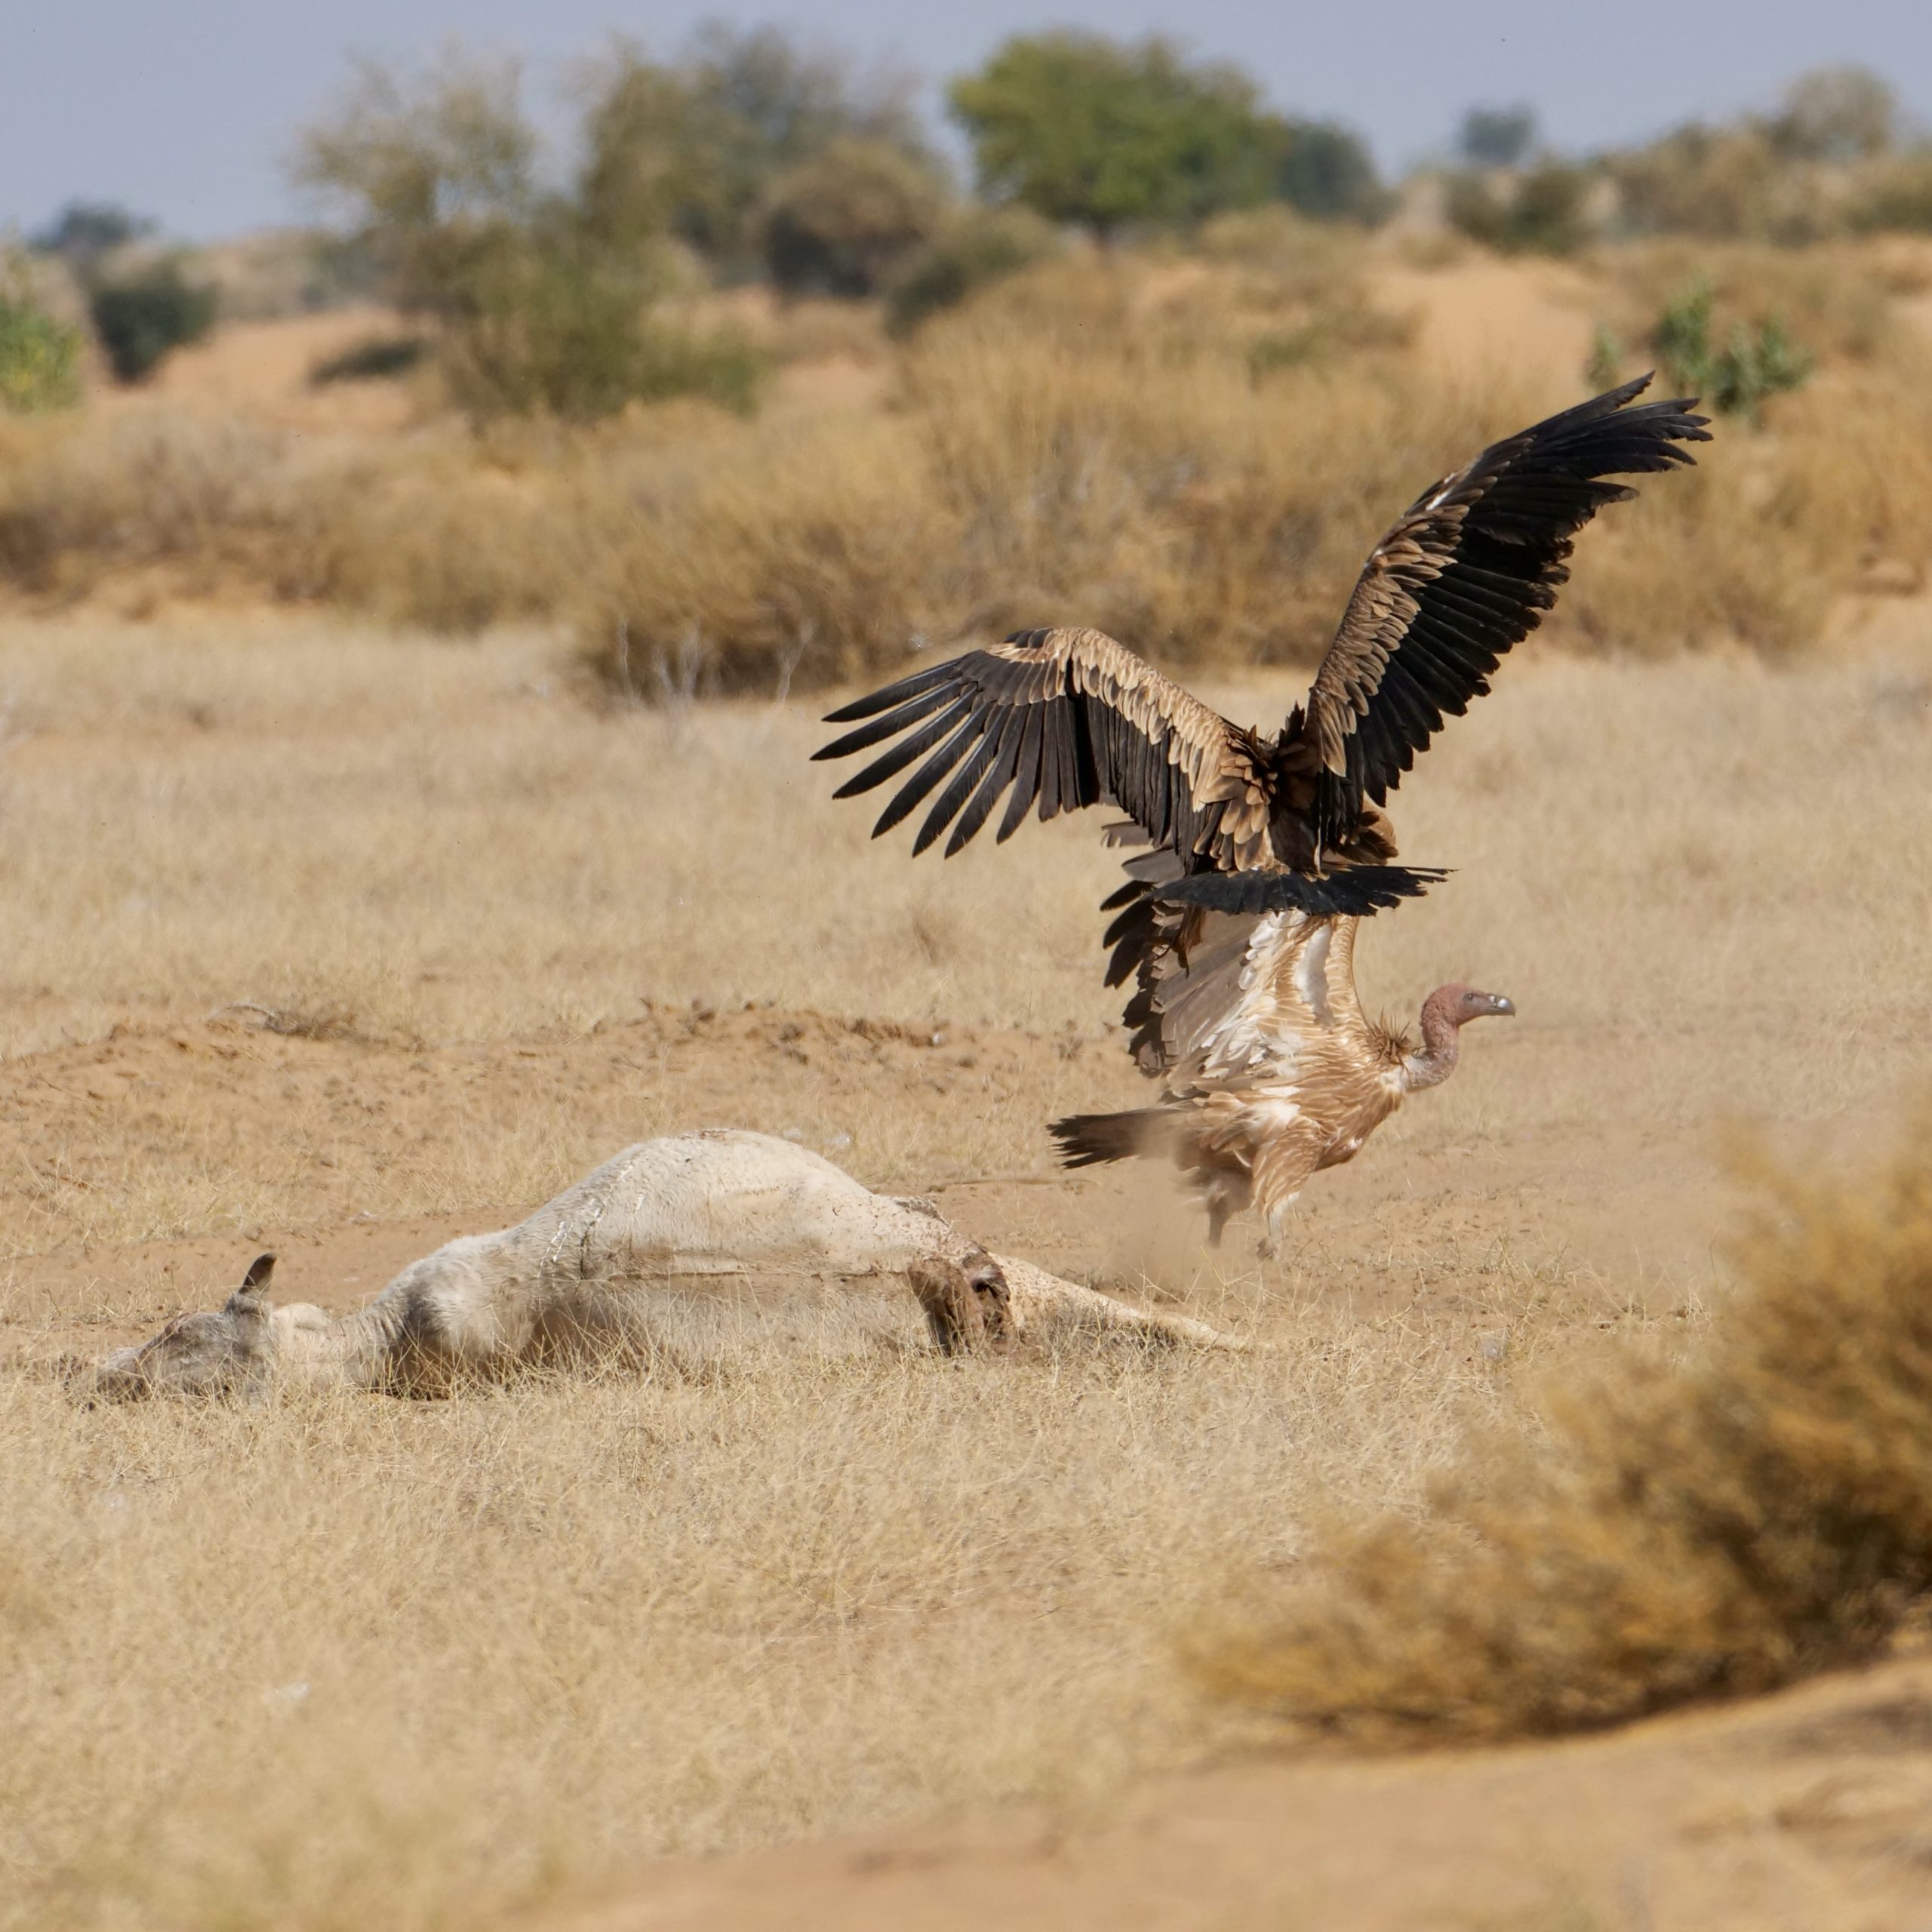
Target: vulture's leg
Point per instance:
(1225, 1195)
(1220, 1208)
(1282, 1168)
(1268, 1248)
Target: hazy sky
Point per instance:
(184, 109)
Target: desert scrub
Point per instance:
(1709, 1527)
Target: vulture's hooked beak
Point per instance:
(1505, 1007)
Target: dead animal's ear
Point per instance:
(988, 1281)
(249, 1302)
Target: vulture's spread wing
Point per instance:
(1069, 718)
(1467, 572)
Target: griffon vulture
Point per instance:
(1259, 843)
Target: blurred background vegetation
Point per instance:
(743, 373)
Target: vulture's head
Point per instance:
(1460, 1004)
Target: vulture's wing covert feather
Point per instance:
(1467, 572)
(1068, 718)
(1355, 892)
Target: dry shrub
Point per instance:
(446, 544)
(1194, 451)
(1160, 491)
(1191, 454)
(1049, 462)
(139, 488)
(746, 561)
(1710, 1528)
(434, 533)
(1755, 543)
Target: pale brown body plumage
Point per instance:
(1245, 826)
(1273, 1070)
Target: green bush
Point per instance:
(840, 223)
(1756, 362)
(1540, 211)
(977, 249)
(554, 329)
(40, 357)
(142, 317)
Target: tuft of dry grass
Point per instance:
(1713, 1526)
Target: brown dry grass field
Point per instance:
(340, 940)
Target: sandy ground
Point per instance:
(1389, 1236)
(1809, 1811)
(1813, 1809)
(452, 1060)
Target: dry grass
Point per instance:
(492, 1643)
(1713, 1528)
(427, 845)
(1195, 452)
(518, 1638)
(440, 842)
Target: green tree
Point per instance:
(1325, 172)
(436, 170)
(693, 148)
(83, 232)
(1836, 114)
(541, 307)
(1084, 129)
(1497, 136)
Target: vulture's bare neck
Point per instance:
(1434, 1061)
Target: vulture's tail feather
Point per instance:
(1087, 1140)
